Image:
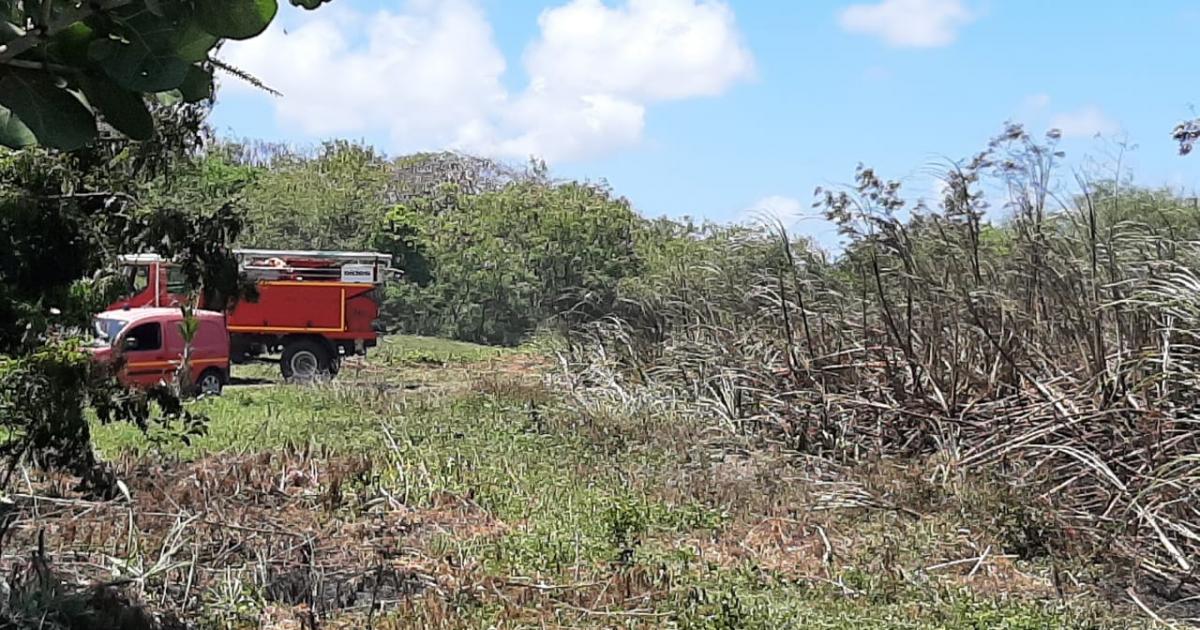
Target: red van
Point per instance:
(152, 344)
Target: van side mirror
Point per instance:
(131, 343)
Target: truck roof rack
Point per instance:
(302, 265)
(279, 253)
(315, 254)
(134, 259)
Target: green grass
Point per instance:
(745, 601)
(253, 419)
(402, 353)
(573, 507)
(260, 412)
(411, 348)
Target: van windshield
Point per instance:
(106, 330)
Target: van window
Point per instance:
(149, 336)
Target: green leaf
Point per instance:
(194, 43)
(308, 4)
(101, 50)
(146, 30)
(137, 68)
(142, 54)
(168, 98)
(197, 86)
(124, 110)
(235, 19)
(13, 133)
(70, 45)
(8, 30)
(56, 117)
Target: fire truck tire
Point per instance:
(305, 360)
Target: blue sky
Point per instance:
(710, 109)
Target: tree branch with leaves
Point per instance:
(70, 69)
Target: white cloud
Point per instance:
(646, 50)
(423, 77)
(568, 126)
(798, 217)
(431, 76)
(1085, 122)
(908, 23)
(774, 208)
(1035, 103)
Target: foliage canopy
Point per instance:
(64, 65)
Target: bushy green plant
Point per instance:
(492, 267)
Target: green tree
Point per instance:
(65, 64)
(63, 219)
(502, 263)
(336, 199)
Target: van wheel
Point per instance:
(210, 383)
(304, 360)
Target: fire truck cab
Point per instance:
(313, 307)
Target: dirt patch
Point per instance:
(515, 364)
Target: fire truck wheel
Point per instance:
(304, 360)
(210, 382)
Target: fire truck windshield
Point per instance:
(106, 330)
(137, 278)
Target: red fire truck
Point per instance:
(313, 307)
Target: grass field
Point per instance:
(449, 485)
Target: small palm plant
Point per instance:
(187, 330)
